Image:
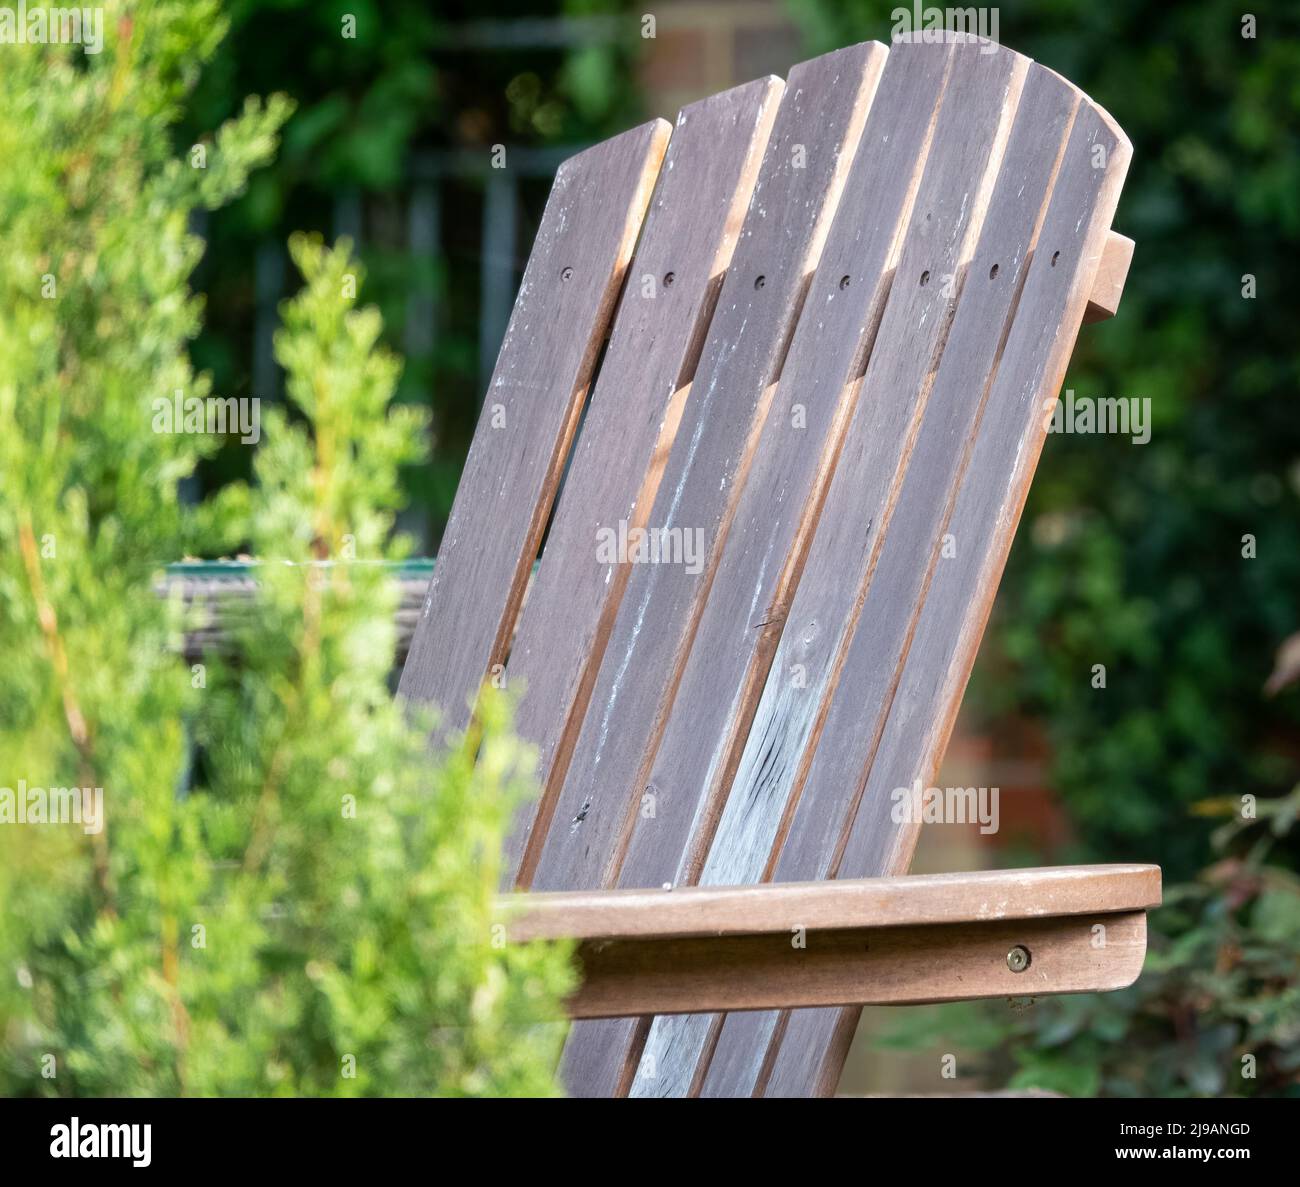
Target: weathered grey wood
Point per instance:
(947, 629)
(741, 618)
(856, 495)
(781, 241)
(559, 321)
(796, 445)
(951, 203)
(812, 147)
(780, 505)
(877, 450)
(883, 525)
(907, 538)
(686, 245)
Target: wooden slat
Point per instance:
(729, 396)
(741, 620)
(897, 537)
(776, 907)
(560, 318)
(953, 199)
(854, 681)
(950, 209)
(877, 966)
(923, 704)
(826, 356)
(689, 234)
(812, 146)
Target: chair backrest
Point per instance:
(847, 302)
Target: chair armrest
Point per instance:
(919, 938)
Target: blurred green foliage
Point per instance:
(1216, 1011)
(415, 78)
(308, 910)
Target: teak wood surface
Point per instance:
(888, 966)
(915, 900)
(838, 311)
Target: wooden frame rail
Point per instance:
(879, 941)
(1112, 272)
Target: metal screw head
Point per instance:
(566, 274)
(1018, 959)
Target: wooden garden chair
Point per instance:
(807, 339)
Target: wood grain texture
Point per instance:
(985, 512)
(854, 450)
(728, 400)
(775, 907)
(795, 452)
(951, 203)
(851, 686)
(560, 318)
(856, 685)
(812, 146)
(742, 619)
(687, 240)
(880, 966)
(759, 557)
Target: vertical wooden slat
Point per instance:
(778, 507)
(686, 245)
(946, 631)
(754, 573)
(560, 317)
(878, 450)
(900, 544)
(652, 630)
(808, 158)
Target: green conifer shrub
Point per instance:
(287, 895)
